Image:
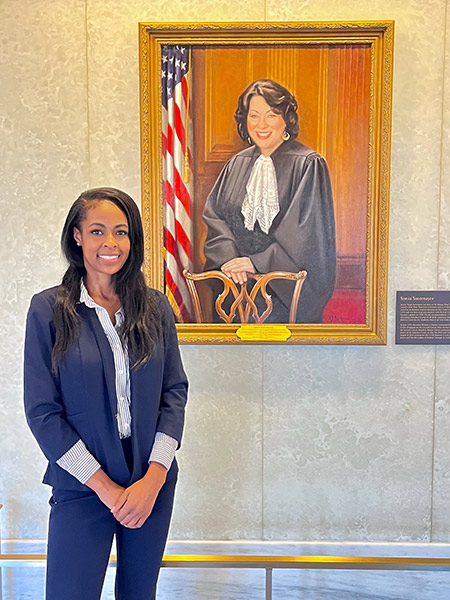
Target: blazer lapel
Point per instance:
(105, 353)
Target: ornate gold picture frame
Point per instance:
(265, 155)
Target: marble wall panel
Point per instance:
(114, 76)
(441, 487)
(219, 494)
(347, 443)
(444, 222)
(441, 497)
(44, 164)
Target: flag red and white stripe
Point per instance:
(177, 176)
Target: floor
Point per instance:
(241, 584)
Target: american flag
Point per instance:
(177, 176)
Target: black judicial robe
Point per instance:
(302, 235)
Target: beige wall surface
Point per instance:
(289, 443)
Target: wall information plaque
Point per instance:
(423, 317)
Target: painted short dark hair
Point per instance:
(277, 97)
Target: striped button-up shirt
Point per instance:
(78, 461)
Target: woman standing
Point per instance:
(271, 207)
(105, 393)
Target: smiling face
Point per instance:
(104, 238)
(265, 126)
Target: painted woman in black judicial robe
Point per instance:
(301, 235)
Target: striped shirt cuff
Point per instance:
(163, 450)
(79, 462)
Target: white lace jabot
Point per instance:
(261, 200)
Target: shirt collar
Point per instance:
(86, 299)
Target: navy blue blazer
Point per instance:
(79, 401)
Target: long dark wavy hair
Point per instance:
(142, 320)
(279, 99)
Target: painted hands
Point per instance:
(237, 269)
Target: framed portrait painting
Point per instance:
(265, 153)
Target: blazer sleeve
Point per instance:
(174, 381)
(42, 397)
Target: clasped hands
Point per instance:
(237, 269)
(133, 505)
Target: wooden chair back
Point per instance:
(244, 299)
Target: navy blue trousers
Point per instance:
(81, 531)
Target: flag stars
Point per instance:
(174, 66)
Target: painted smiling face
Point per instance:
(264, 125)
(104, 238)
